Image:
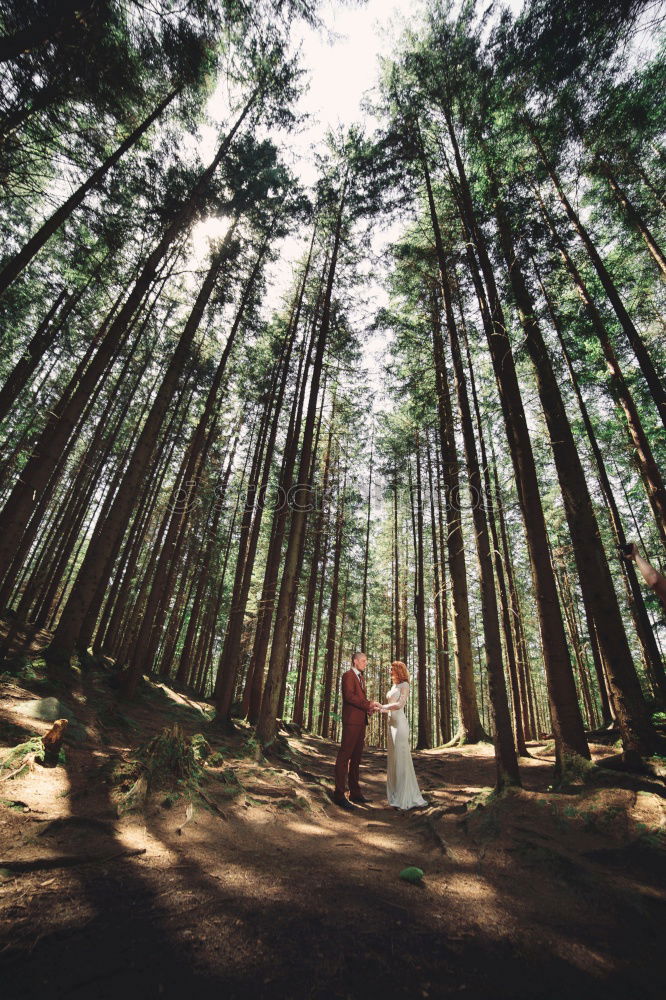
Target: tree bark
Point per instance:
(329, 655)
(655, 385)
(19, 261)
(278, 528)
(277, 669)
(653, 660)
(187, 484)
(634, 217)
(366, 555)
(308, 617)
(230, 657)
(654, 483)
(397, 647)
(34, 351)
(470, 729)
(423, 740)
(506, 759)
(594, 574)
(39, 468)
(567, 722)
(97, 565)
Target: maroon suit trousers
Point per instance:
(349, 759)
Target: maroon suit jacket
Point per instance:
(354, 703)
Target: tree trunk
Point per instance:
(470, 729)
(308, 617)
(187, 484)
(634, 217)
(655, 487)
(97, 565)
(638, 737)
(510, 644)
(441, 632)
(366, 556)
(116, 607)
(423, 740)
(34, 351)
(446, 710)
(230, 657)
(655, 385)
(184, 671)
(506, 760)
(278, 528)
(397, 649)
(267, 722)
(565, 712)
(38, 470)
(653, 660)
(19, 261)
(329, 656)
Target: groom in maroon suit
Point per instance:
(355, 711)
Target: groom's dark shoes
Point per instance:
(344, 803)
(361, 799)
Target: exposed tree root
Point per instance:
(272, 791)
(634, 765)
(212, 804)
(462, 739)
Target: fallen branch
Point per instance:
(28, 761)
(29, 752)
(212, 804)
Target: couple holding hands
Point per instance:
(402, 790)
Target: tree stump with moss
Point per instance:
(53, 742)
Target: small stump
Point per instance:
(53, 742)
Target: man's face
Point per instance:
(361, 662)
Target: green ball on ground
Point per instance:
(412, 874)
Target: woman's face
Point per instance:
(394, 676)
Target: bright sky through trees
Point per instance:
(342, 64)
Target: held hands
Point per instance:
(376, 706)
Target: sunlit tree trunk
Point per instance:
(652, 658)
(277, 669)
(655, 487)
(37, 473)
(592, 565)
(310, 601)
(567, 722)
(655, 385)
(97, 565)
(332, 632)
(470, 729)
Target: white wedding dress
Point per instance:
(402, 788)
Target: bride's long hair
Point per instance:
(400, 669)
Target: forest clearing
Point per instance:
(332, 498)
(532, 895)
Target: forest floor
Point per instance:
(266, 889)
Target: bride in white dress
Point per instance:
(402, 789)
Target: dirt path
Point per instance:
(290, 897)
